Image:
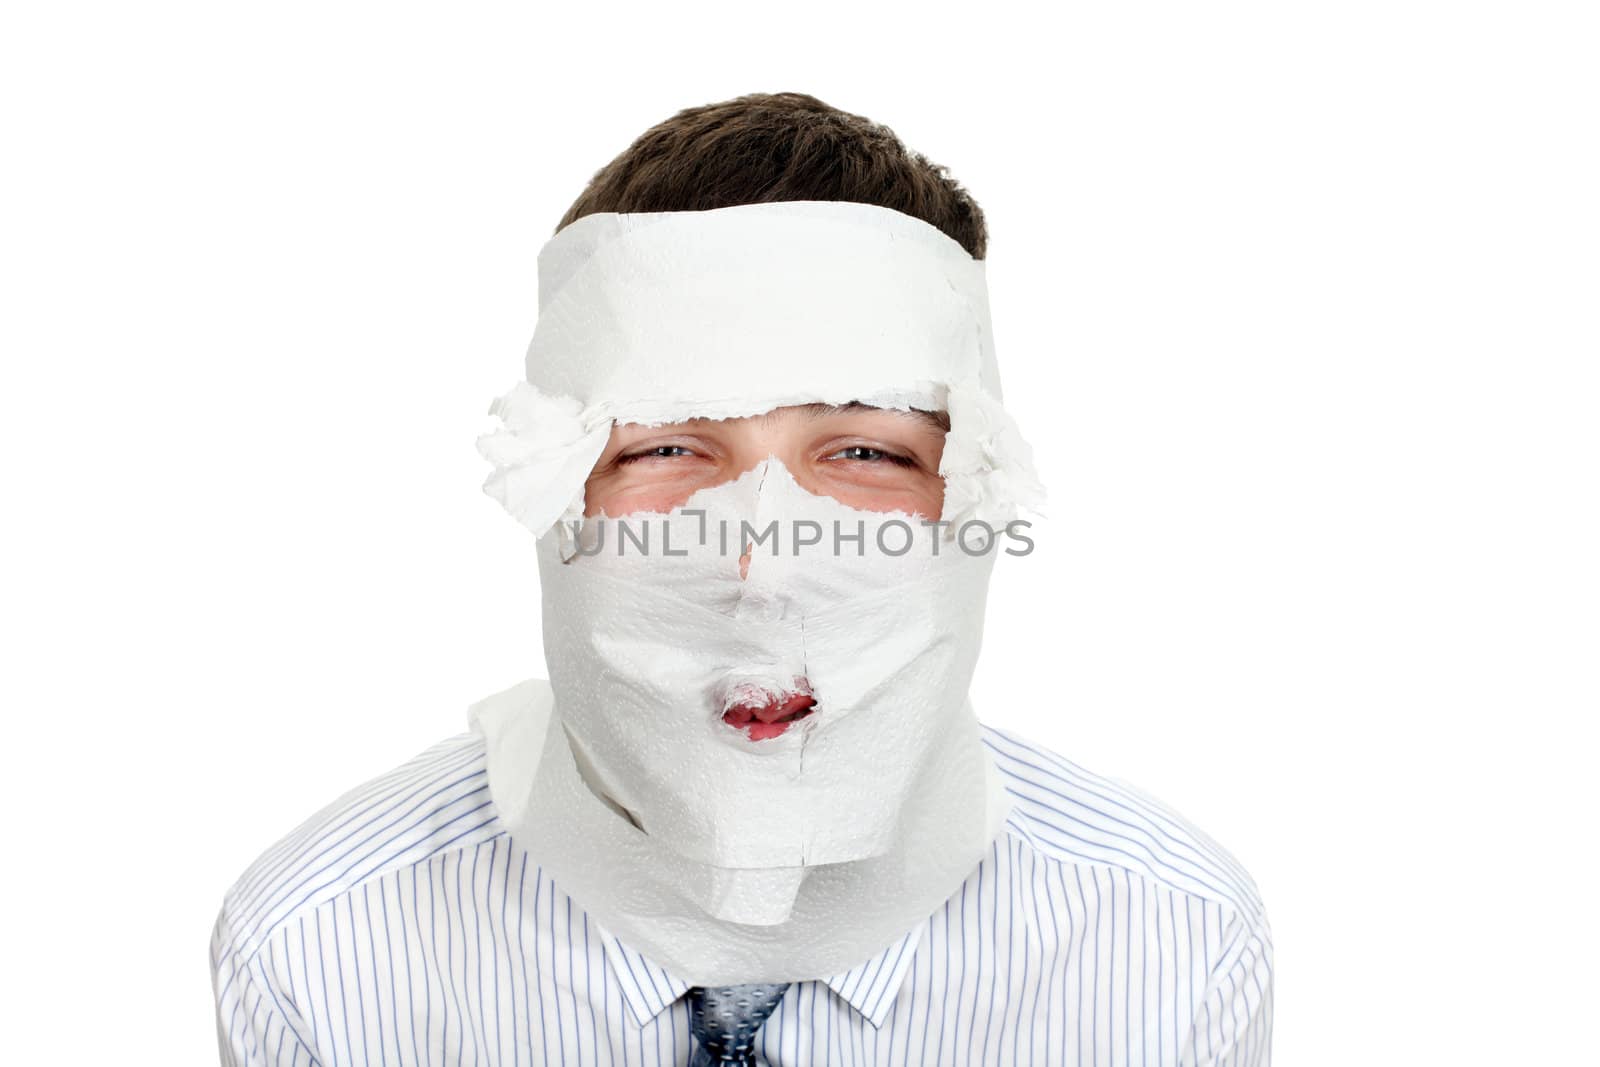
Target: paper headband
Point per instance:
(658, 317)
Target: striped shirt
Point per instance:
(402, 924)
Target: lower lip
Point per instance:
(763, 721)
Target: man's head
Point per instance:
(761, 148)
(766, 325)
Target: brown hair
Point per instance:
(765, 147)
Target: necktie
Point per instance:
(725, 1019)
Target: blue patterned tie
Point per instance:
(725, 1019)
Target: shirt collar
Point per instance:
(870, 987)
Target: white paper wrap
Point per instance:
(792, 857)
(729, 860)
(658, 317)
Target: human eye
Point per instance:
(655, 452)
(871, 454)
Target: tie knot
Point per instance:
(725, 1019)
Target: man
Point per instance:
(752, 817)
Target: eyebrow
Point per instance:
(939, 420)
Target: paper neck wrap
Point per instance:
(658, 317)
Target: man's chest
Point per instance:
(473, 962)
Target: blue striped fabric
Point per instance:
(403, 925)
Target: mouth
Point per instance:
(771, 716)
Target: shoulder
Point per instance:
(434, 802)
(1070, 814)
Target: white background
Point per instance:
(1297, 303)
